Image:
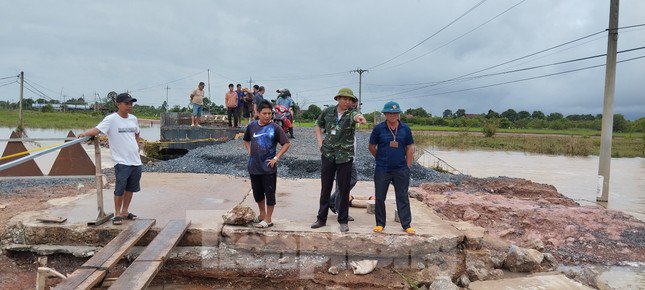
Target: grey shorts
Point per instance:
(127, 178)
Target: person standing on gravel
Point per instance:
(122, 129)
(260, 140)
(197, 100)
(392, 145)
(335, 202)
(258, 97)
(338, 124)
(231, 106)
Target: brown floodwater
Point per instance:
(575, 177)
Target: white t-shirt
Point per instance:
(121, 135)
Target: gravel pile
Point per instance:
(301, 161)
(7, 186)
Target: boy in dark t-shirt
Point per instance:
(260, 140)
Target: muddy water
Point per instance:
(575, 177)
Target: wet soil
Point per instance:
(534, 215)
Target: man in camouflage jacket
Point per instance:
(335, 130)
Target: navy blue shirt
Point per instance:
(263, 146)
(240, 95)
(389, 158)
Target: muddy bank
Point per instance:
(536, 216)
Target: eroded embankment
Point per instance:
(536, 216)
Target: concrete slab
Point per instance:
(543, 282)
(296, 209)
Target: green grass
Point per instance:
(56, 120)
(552, 145)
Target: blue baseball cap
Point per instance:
(391, 107)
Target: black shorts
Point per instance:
(127, 178)
(263, 186)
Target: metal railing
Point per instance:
(102, 216)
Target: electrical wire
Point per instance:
(513, 81)
(4, 78)
(455, 39)
(6, 84)
(169, 82)
(431, 36)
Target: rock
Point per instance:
(506, 232)
(523, 260)
(570, 230)
(536, 244)
(478, 264)
(239, 215)
(549, 263)
(333, 270)
(443, 283)
(421, 266)
(463, 281)
(474, 235)
(470, 215)
(363, 267)
(2, 206)
(495, 274)
(284, 260)
(429, 274)
(570, 240)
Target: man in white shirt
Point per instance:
(197, 100)
(122, 129)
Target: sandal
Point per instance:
(410, 231)
(378, 229)
(131, 216)
(117, 220)
(257, 219)
(263, 225)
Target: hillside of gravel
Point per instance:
(301, 161)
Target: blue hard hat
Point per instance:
(391, 107)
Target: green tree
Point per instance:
(492, 115)
(554, 116)
(418, 112)
(460, 113)
(510, 114)
(538, 115)
(523, 115)
(447, 113)
(620, 123)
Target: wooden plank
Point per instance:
(52, 219)
(160, 247)
(92, 270)
(138, 275)
(81, 279)
(109, 255)
(145, 267)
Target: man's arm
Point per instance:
(409, 154)
(372, 148)
(283, 150)
(318, 136)
(360, 119)
(247, 144)
(91, 132)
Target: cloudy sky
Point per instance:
(83, 47)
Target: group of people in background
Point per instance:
(390, 142)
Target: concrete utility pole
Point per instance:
(251, 82)
(209, 85)
(360, 84)
(22, 84)
(167, 104)
(608, 107)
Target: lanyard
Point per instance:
(396, 130)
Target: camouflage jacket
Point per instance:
(338, 148)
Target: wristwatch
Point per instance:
(276, 158)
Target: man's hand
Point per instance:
(272, 162)
(360, 119)
(320, 141)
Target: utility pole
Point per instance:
(360, 72)
(62, 105)
(167, 104)
(209, 85)
(96, 102)
(251, 82)
(608, 106)
(22, 84)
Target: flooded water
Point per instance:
(575, 177)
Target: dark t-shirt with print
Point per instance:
(263, 146)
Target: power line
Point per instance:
(167, 83)
(39, 91)
(457, 38)
(6, 84)
(431, 36)
(4, 78)
(514, 81)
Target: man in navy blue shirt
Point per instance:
(392, 145)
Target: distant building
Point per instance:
(68, 106)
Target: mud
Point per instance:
(536, 216)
